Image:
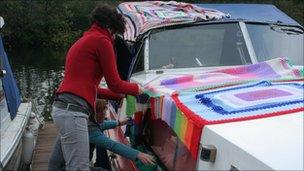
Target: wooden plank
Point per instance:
(44, 146)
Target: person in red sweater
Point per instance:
(88, 60)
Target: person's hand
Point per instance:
(122, 122)
(140, 89)
(145, 158)
(122, 96)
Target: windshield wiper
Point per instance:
(286, 29)
(198, 62)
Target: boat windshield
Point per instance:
(273, 41)
(198, 46)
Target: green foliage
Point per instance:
(58, 23)
(39, 23)
(44, 23)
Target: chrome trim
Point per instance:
(208, 153)
(1, 22)
(248, 42)
(234, 168)
(222, 21)
(1, 95)
(146, 54)
(205, 68)
(2, 73)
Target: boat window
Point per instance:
(273, 41)
(198, 46)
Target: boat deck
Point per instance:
(44, 146)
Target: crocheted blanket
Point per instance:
(143, 16)
(189, 103)
(277, 69)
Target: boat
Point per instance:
(19, 119)
(214, 76)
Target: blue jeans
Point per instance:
(71, 148)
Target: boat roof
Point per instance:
(144, 16)
(253, 12)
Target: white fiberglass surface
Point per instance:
(275, 142)
(4, 114)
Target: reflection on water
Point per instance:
(38, 74)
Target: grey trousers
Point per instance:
(72, 143)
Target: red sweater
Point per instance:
(87, 61)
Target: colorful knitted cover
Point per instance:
(277, 69)
(231, 98)
(143, 16)
(236, 103)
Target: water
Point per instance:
(38, 74)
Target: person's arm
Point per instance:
(105, 93)
(113, 146)
(108, 124)
(99, 138)
(106, 59)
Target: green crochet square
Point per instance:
(131, 105)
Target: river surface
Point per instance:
(38, 74)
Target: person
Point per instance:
(105, 143)
(88, 60)
(98, 138)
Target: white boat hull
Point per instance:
(274, 143)
(11, 135)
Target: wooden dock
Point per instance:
(44, 146)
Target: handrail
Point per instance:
(1, 95)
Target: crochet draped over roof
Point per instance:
(143, 16)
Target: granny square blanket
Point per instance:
(244, 101)
(188, 103)
(143, 16)
(188, 112)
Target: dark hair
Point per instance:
(107, 17)
(101, 105)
